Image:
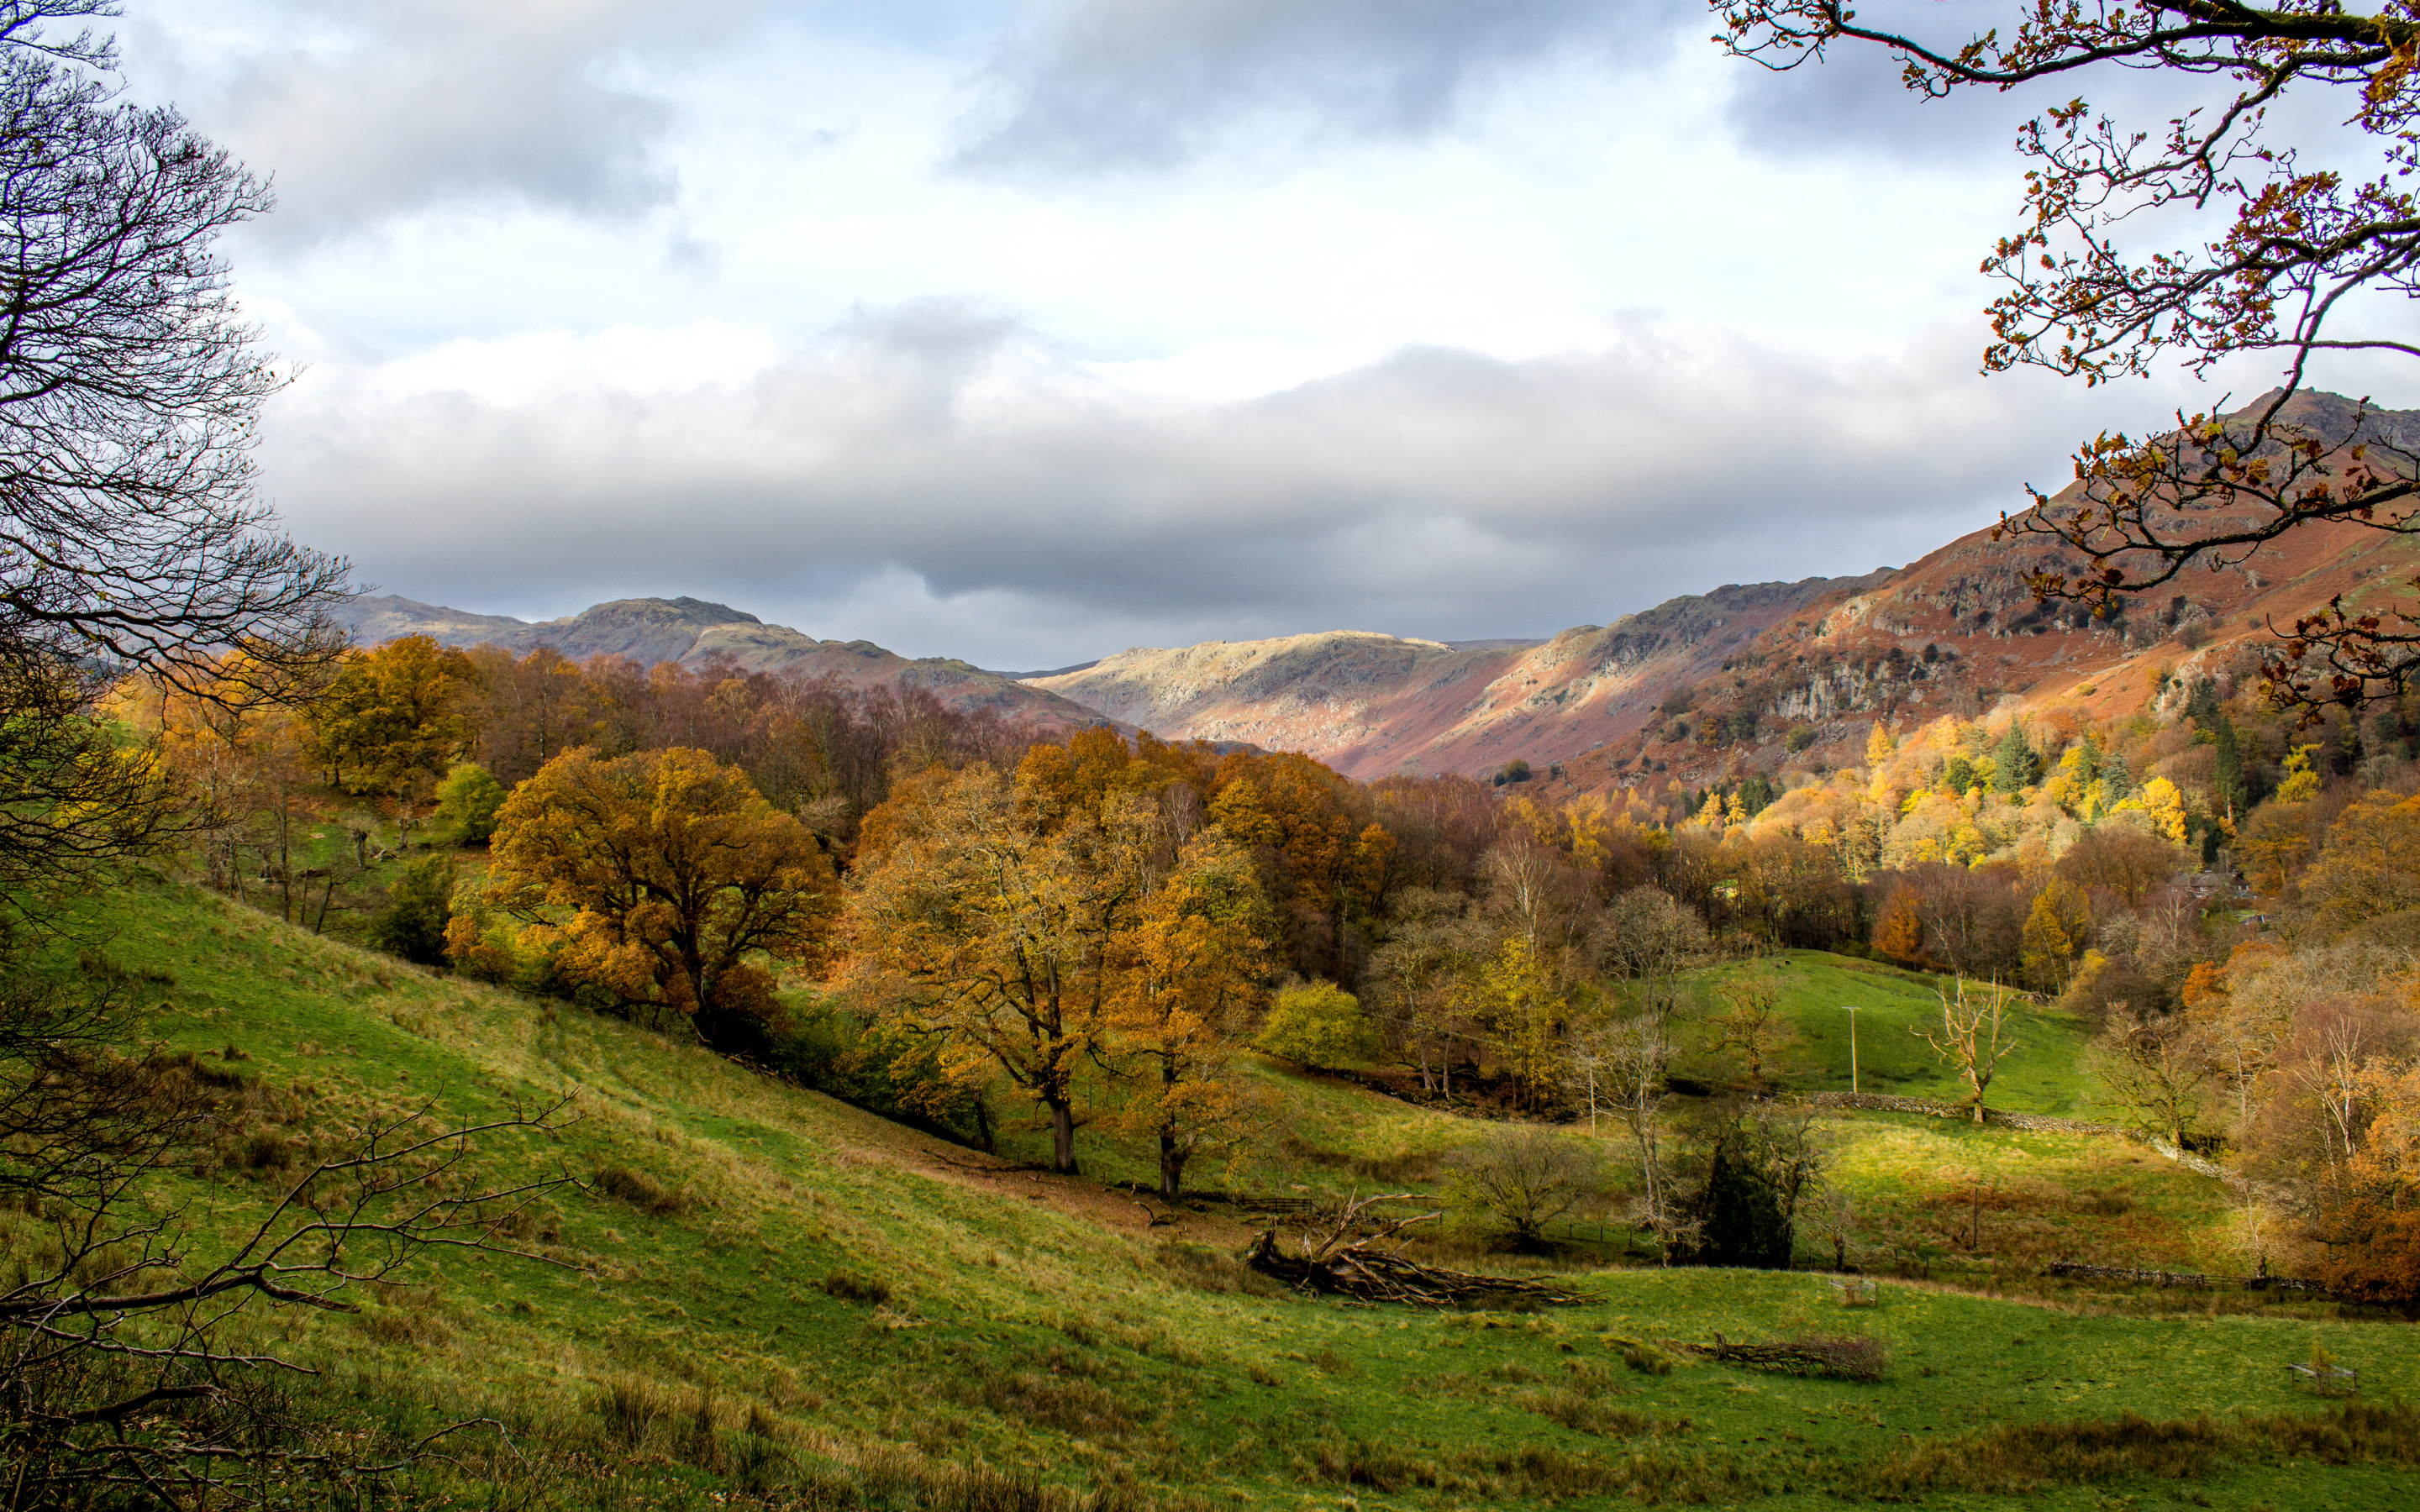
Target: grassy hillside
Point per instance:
(1816, 988)
(768, 1289)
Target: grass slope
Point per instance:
(2046, 1075)
(818, 1298)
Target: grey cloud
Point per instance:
(365, 109)
(1036, 515)
(1111, 84)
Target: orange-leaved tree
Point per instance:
(667, 873)
(1189, 970)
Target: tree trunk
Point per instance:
(1172, 1167)
(1062, 1137)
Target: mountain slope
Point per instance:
(694, 632)
(1958, 632)
(1373, 705)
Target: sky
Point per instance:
(1028, 330)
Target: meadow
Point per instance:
(757, 1292)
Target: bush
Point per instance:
(1800, 738)
(1319, 1025)
(467, 802)
(418, 908)
(1525, 1177)
(641, 1191)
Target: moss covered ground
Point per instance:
(771, 1293)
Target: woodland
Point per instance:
(456, 1077)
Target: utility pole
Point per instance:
(1850, 1009)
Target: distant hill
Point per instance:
(1958, 632)
(1373, 705)
(693, 632)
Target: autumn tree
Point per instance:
(986, 921)
(1188, 971)
(667, 874)
(2370, 865)
(1899, 928)
(1419, 977)
(2314, 259)
(1319, 1025)
(2058, 927)
(1972, 1038)
(394, 716)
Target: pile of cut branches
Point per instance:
(1349, 1257)
(1844, 1359)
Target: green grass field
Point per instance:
(683, 1349)
(2046, 1073)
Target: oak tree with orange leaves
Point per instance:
(667, 875)
(2319, 236)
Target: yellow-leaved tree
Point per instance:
(667, 874)
(1188, 969)
(988, 916)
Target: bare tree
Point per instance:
(1526, 1177)
(1651, 938)
(1753, 1028)
(1974, 1024)
(2157, 1065)
(1630, 1058)
(2314, 259)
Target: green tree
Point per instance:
(2015, 766)
(419, 906)
(467, 802)
(1317, 1025)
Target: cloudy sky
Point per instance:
(1026, 331)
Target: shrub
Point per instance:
(1319, 1025)
(1525, 1177)
(467, 802)
(418, 908)
(639, 1190)
(1800, 738)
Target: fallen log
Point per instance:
(1345, 1261)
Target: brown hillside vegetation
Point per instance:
(1744, 678)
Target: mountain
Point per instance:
(1723, 683)
(1960, 632)
(694, 632)
(1373, 705)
